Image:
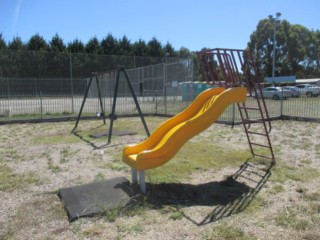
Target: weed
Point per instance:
(256, 204)
(116, 164)
(53, 168)
(10, 181)
(93, 231)
(99, 177)
(112, 214)
(32, 214)
(289, 218)
(276, 189)
(306, 161)
(55, 139)
(63, 155)
(311, 197)
(125, 229)
(9, 153)
(178, 215)
(224, 231)
(137, 207)
(283, 173)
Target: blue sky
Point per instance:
(193, 24)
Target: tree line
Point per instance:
(107, 46)
(55, 59)
(297, 52)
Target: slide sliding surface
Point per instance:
(171, 135)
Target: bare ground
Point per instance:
(39, 159)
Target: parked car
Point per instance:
(275, 93)
(294, 91)
(310, 90)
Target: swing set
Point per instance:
(112, 116)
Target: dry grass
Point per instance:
(191, 197)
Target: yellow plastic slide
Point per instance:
(170, 136)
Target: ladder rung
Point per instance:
(260, 145)
(259, 155)
(249, 108)
(253, 121)
(261, 134)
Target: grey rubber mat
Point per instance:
(114, 133)
(95, 198)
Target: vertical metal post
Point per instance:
(136, 102)
(281, 103)
(233, 114)
(8, 87)
(134, 176)
(165, 82)
(274, 51)
(100, 100)
(71, 82)
(41, 105)
(112, 115)
(142, 182)
(82, 105)
(274, 43)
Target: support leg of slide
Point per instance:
(142, 182)
(134, 176)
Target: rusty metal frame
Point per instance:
(238, 68)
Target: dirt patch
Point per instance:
(235, 202)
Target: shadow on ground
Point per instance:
(227, 197)
(93, 144)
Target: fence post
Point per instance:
(41, 106)
(233, 113)
(71, 82)
(8, 87)
(281, 103)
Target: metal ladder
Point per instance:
(235, 68)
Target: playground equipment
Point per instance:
(112, 115)
(236, 75)
(167, 139)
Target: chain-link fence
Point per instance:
(42, 85)
(46, 85)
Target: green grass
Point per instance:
(302, 215)
(178, 215)
(99, 177)
(93, 231)
(290, 218)
(283, 172)
(195, 157)
(311, 196)
(10, 153)
(10, 181)
(256, 204)
(53, 167)
(227, 232)
(277, 188)
(55, 139)
(31, 213)
(129, 229)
